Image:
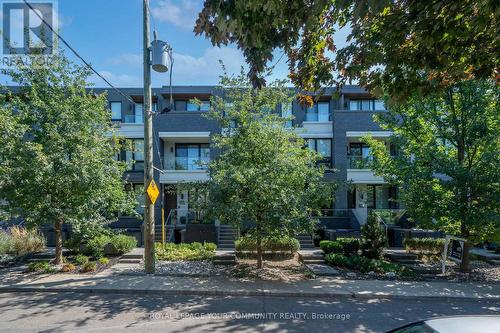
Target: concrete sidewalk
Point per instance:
(223, 286)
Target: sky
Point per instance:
(108, 34)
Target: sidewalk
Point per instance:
(222, 286)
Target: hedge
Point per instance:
(331, 246)
(347, 246)
(424, 245)
(272, 244)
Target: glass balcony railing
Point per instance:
(183, 163)
(389, 216)
(315, 116)
(358, 162)
(133, 119)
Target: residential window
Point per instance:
(204, 106)
(286, 112)
(367, 105)
(136, 155)
(137, 117)
(116, 111)
(192, 156)
(319, 112)
(322, 147)
(138, 190)
(358, 156)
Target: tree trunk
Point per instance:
(464, 266)
(58, 231)
(259, 251)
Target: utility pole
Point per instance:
(149, 213)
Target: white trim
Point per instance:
(309, 135)
(375, 134)
(318, 122)
(184, 134)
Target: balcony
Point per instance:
(134, 119)
(318, 117)
(358, 162)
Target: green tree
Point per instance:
(374, 238)
(264, 177)
(447, 165)
(399, 45)
(56, 155)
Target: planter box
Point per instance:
(200, 233)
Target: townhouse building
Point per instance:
(182, 138)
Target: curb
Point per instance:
(239, 293)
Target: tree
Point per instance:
(56, 158)
(374, 238)
(264, 177)
(447, 164)
(402, 46)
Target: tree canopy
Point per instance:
(398, 46)
(447, 163)
(264, 179)
(57, 154)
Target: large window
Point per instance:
(286, 112)
(137, 116)
(191, 156)
(204, 106)
(138, 190)
(322, 147)
(136, 155)
(319, 112)
(116, 111)
(358, 156)
(367, 105)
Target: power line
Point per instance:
(77, 55)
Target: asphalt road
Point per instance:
(49, 312)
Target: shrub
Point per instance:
(68, 268)
(25, 241)
(331, 246)
(273, 244)
(184, 251)
(96, 245)
(120, 244)
(40, 267)
(103, 261)
(374, 239)
(81, 259)
(89, 267)
(349, 245)
(337, 259)
(210, 246)
(5, 243)
(73, 245)
(424, 245)
(361, 263)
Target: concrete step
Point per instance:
(129, 261)
(313, 261)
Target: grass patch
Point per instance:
(185, 251)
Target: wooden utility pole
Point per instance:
(149, 213)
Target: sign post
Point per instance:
(453, 250)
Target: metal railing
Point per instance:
(358, 162)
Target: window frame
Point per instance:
(111, 109)
(200, 146)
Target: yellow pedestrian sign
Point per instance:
(153, 191)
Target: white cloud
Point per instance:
(181, 13)
(206, 68)
(188, 69)
(117, 80)
(127, 59)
